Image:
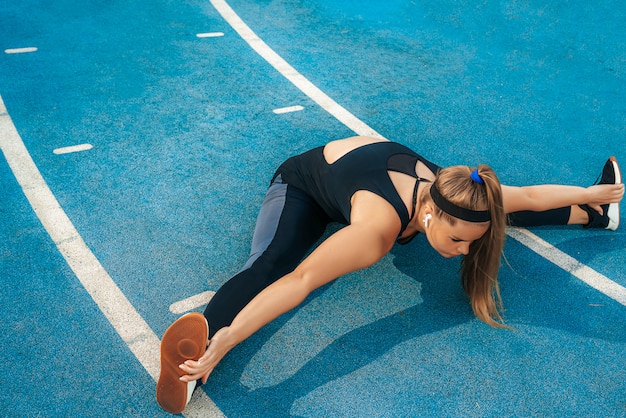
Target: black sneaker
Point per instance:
(613, 210)
(609, 219)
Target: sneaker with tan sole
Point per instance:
(184, 340)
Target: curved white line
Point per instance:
(118, 310)
(140, 338)
(544, 249)
(291, 74)
(135, 332)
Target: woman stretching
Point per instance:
(383, 193)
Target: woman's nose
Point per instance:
(464, 248)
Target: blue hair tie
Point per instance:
(476, 178)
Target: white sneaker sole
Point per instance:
(191, 386)
(613, 211)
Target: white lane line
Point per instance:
(210, 35)
(290, 73)
(584, 273)
(130, 326)
(20, 50)
(594, 279)
(127, 322)
(191, 303)
(72, 148)
(288, 109)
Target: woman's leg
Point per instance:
(288, 225)
(572, 215)
(527, 218)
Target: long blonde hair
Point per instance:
(479, 268)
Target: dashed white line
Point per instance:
(288, 109)
(191, 303)
(210, 35)
(20, 50)
(72, 148)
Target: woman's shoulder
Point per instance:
(334, 150)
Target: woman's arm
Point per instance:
(366, 240)
(552, 196)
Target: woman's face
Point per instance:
(452, 241)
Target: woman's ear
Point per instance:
(428, 209)
(427, 219)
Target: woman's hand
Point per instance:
(219, 345)
(602, 194)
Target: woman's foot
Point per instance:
(613, 209)
(184, 340)
(609, 219)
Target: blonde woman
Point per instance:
(383, 193)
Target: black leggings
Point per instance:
(288, 225)
(525, 218)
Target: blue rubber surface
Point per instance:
(185, 142)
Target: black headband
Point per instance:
(455, 211)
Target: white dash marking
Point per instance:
(210, 35)
(73, 148)
(191, 303)
(20, 50)
(288, 109)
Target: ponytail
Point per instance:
(479, 268)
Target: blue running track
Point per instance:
(176, 115)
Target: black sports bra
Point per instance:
(365, 168)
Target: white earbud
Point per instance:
(427, 220)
